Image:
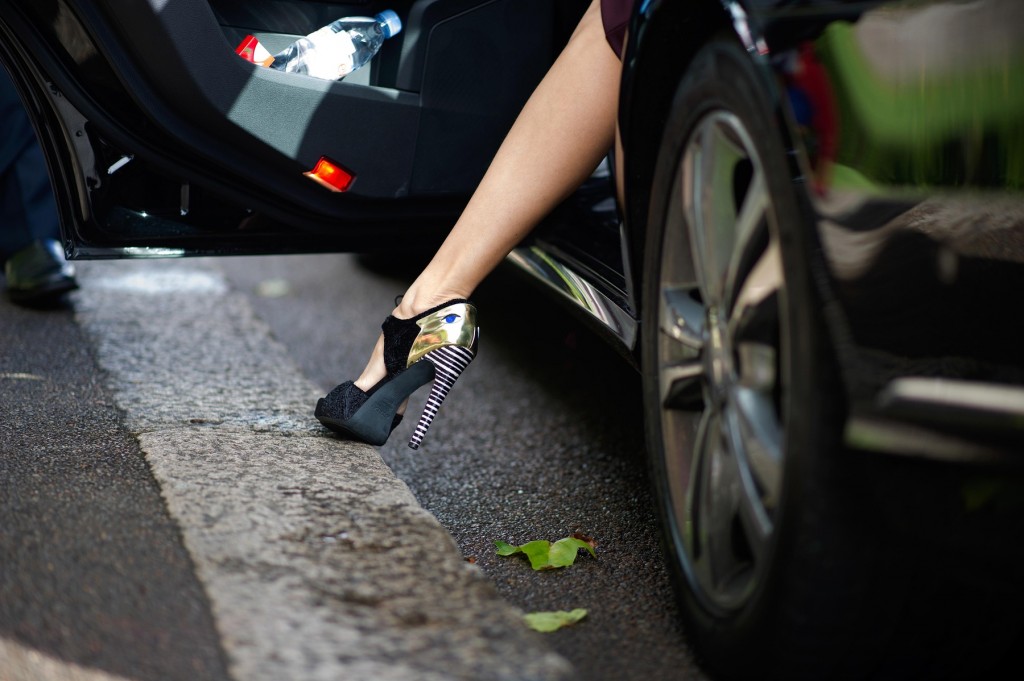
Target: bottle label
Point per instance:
(333, 56)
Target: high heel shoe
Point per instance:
(436, 345)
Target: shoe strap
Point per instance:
(407, 340)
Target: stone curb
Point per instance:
(318, 561)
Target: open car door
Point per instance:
(161, 140)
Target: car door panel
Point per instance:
(160, 84)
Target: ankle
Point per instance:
(414, 302)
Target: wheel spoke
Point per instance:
(725, 502)
(750, 234)
(709, 166)
(682, 330)
(755, 313)
(761, 436)
(725, 482)
(700, 500)
(757, 526)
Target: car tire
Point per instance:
(793, 556)
(743, 407)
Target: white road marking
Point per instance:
(20, 663)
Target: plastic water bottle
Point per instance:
(339, 48)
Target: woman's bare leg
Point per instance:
(559, 138)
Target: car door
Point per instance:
(161, 140)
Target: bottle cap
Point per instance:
(389, 23)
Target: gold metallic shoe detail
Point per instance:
(451, 325)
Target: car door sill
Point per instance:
(548, 268)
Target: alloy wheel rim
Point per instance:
(719, 353)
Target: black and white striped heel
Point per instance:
(449, 363)
(435, 346)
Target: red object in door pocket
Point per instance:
(250, 49)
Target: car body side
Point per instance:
(911, 235)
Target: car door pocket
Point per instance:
(424, 118)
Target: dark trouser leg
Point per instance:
(27, 209)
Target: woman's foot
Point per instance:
(433, 346)
(409, 306)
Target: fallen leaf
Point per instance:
(552, 621)
(544, 555)
(584, 538)
(505, 549)
(563, 552)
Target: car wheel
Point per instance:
(794, 556)
(739, 393)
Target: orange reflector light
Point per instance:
(331, 175)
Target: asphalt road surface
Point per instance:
(542, 437)
(92, 570)
(171, 510)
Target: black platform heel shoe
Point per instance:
(436, 345)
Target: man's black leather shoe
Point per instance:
(39, 275)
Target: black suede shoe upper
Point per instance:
(341, 402)
(399, 335)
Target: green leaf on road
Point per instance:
(551, 621)
(544, 555)
(506, 549)
(563, 552)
